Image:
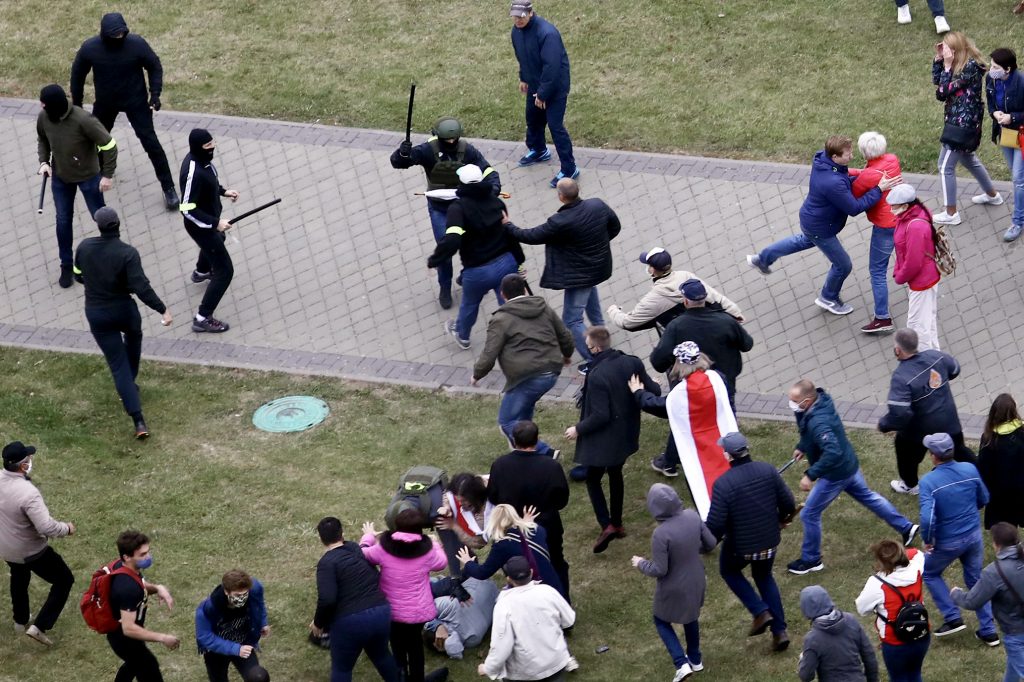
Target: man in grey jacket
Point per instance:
(25, 524)
(837, 648)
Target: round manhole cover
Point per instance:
(291, 413)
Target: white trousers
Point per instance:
(923, 317)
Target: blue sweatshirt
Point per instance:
(951, 495)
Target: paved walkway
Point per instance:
(334, 280)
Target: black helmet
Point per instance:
(448, 128)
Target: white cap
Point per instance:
(901, 194)
(470, 174)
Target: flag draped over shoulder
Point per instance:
(700, 414)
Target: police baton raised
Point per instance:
(42, 194)
(254, 211)
(408, 118)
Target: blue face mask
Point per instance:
(145, 563)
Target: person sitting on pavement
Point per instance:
(837, 647)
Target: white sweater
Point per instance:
(25, 522)
(663, 296)
(872, 598)
(526, 636)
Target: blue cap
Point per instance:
(693, 289)
(734, 442)
(939, 444)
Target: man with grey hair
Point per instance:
(920, 402)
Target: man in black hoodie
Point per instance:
(117, 60)
(475, 230)
(201, 208)
(112, 272)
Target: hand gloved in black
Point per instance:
(405, 149)
(154, 101)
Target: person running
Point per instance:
(201, 209)
(229, 626)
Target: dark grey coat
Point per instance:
(676, 546)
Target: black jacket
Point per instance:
(577, 238)
(475, 229)
(200, 193)
(116, 69)
(346, 583)
(747, 503)
(920, 399)
(609, 428)
(523, 478)
(1001, 465)
(1013, 102)
(718, 334)
(112, 271)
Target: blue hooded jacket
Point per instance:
(831, 201)
(543, 61)
(211, 610)
(823, 441)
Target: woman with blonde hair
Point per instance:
(958, 72)
(513, 535)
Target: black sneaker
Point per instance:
(660, 465)
(949, 627)
(209, 325)
(531, 157)
(141, 432)
(801, 567)
(171, 200)
(449, 327)
(990, 640)
(444, 298)
(754, 261)
(65, 280)
(200, 277)
(909, 536)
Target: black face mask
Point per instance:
(55, 102)
(115, 43)
(202, 155)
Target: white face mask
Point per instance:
(28, 469)
(795, 406)
(897, 210)
(997, 73)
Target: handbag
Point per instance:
(956, 137)
(1009, 137)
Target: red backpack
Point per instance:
(95, 603)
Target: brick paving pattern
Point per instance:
(334, 280)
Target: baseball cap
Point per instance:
(17, 451)
(470, 174)
(734, 442)
(693, 289)
(901, 194)
(518, 568)
(940, 444)
(520, 8)
(658, 258)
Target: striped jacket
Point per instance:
(200, 193)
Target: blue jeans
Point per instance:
(970, 550)
(878, 268)
(575, 302)
(822, 495)
(731, 565)
(476, 282)
(904, 661)
(830, 246)
(551, 116)
(1016, 164)
(64, 207)
(936, 6)
(369, 631)
(668, 635)
(1014, 646)
(518, 402)
(439, 223)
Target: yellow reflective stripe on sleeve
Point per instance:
(108, 146)
(488, 171)
(184, 208)
(455, 229)
(431, 138)
(74, 269)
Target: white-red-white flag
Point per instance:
(700, 414)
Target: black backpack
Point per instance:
(911, 621)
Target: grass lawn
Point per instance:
(214, 493)
(738, 79)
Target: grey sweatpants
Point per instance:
(948, 160)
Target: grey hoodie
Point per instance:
(837, 648)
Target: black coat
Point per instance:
(527, 478)
(117, 70)
(609, 428)
(747, 503)
(577, 237)
(1001, 465)
(718, 334)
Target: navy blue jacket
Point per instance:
(116, 69)
(831, 201)
(823, 441)
(543, 61)
(747, 503)
(211, 610)
(511, 545)
(919, 396)
(951, 496)
(1013, 101)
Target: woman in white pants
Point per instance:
(914, 244)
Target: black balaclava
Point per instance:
(107, 222)
(112, 25)
(55, 101)
(196, 139)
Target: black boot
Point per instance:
(445, 298)
(65, 280)
(171, 199)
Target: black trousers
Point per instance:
(407, 646)
(118, 333)
(910, 452)
(141, 118)
(139, 662)
(553, 525)
(50, 567)
(213, 257)
(596, 493)
(249, 668)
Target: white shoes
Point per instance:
(899, 486)
(983, 198)
(38, 635)
(696, 667)
(682, 673)
(941, 26)
(573, 664)
(944, 218)
(903, 14)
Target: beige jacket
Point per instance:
(663, 296)
(25, 522)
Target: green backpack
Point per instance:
(421, 488)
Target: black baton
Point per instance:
(42, 194)
(408, 118)
(253, 211)
(787, 465)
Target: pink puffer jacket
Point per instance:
(915, 250)
(406, 561)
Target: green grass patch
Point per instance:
(737, 79)
(214, 493)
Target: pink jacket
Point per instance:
(863, 180)
(915, 248)
(405, 574)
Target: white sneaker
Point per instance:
(834, 307)
(572, 665)
(983, 198)
(944, 218)
(683, 672)
(940, 25)
(696, 667)
(903, 14)
(899, 486)
(38, 635)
